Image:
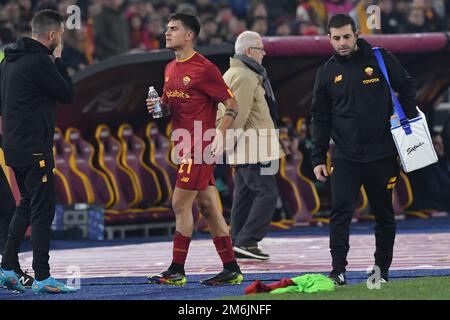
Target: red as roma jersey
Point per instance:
(193, 87)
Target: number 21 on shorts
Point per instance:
(183, 164)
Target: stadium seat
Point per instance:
(168, 131)
(306, 187)
(300, 194)
(402, 196)
(308, 192)
(121, 179)
(118, 218)
(9, 175)
(155, 157)
(81, 191)
(299, 125)
(82, 165)
(124, 182)
(288, 191)
(62, 152)
(132, 157)
(159, 151)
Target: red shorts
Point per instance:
(193, 176)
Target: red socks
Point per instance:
(180, 248)
(223, 246)
(224, 249)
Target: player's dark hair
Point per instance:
(188, 20)
(46, 21)
(339, 20)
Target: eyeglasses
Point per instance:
(258, 48)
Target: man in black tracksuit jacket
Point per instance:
(33, 80)
(352, 105)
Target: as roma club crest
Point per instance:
(369, 71)
(186, 80)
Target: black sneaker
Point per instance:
(168, 277)
(250, 253)
(224, 277)
(25, 279)
(338, 278)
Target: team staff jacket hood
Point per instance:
(32, 82)
(352, 104)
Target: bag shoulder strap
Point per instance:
(397, 106)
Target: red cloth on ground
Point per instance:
(258, 286)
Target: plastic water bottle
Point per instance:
(153, 95)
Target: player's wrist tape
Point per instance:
(231, 113)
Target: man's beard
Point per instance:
(351, 51)
(53, 46)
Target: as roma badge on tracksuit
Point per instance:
(186, 80)
(369, 71)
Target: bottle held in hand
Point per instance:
(153, 95)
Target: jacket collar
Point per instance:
(23, 47)
(236, 63)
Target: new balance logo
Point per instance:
(338, 278)
(25, 279)
(26, 282)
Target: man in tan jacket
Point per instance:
(254, 148)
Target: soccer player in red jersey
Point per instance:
(193, 86)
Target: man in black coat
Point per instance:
(33, 79)
(352, 105)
